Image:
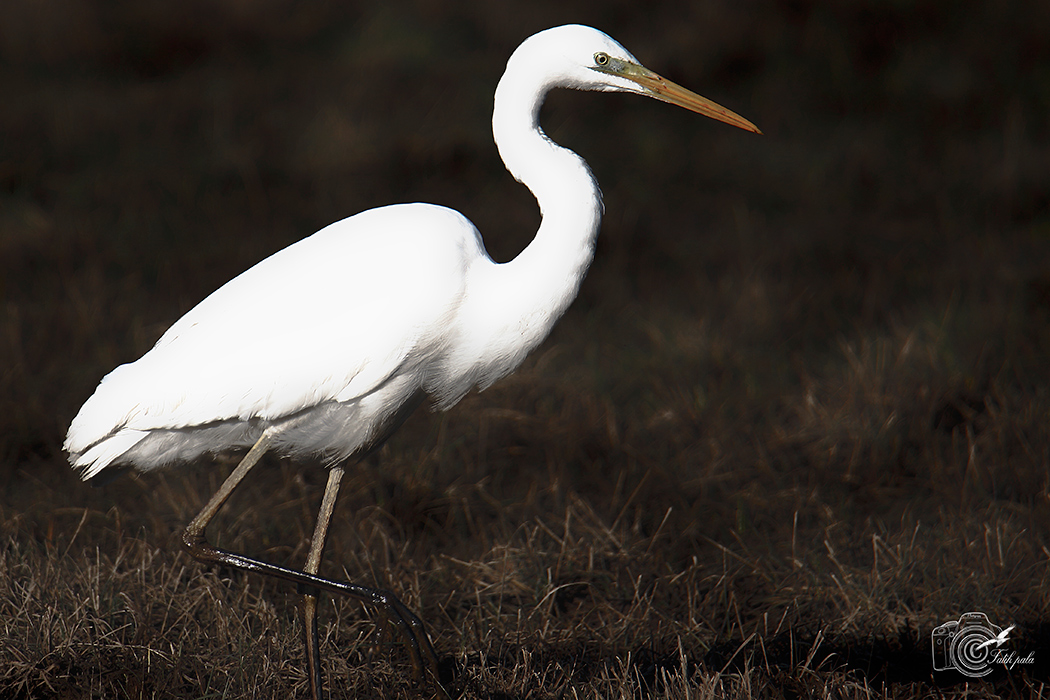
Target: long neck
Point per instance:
(547, 274)
(511, 307)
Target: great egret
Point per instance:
(324, 348)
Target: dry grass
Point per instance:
(796, 420)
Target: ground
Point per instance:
(795, 422)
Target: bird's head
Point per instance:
(584, 58)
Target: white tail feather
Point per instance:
(101, 455)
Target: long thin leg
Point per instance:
(313, 563)
(195, 530)
(409, 625)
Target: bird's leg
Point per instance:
(411, 628)
(193, 537)
(310, 597)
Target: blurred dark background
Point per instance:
(845, 318)
(152, 150)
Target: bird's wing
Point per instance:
(327, 319)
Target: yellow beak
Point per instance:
(656, 86)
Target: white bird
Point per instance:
(998, 640)
(324, 348)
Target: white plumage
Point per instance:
(328, 338)
(317, 337)
(324, 348)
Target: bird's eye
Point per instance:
(601, 58)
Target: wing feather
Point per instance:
(329, 318)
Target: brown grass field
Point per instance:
(796, 420)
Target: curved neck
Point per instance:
(548, 272)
